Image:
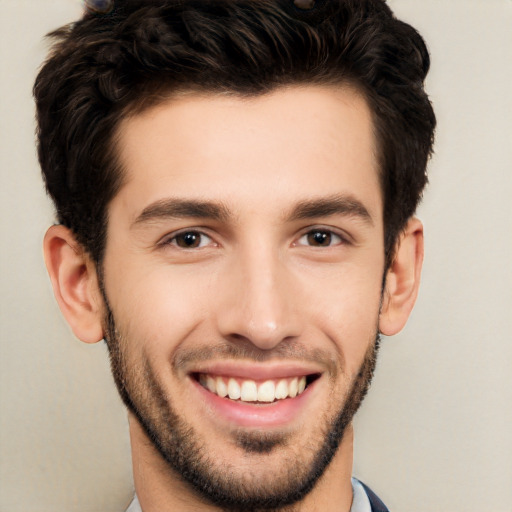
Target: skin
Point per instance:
(259, 291)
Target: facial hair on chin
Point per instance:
(178, 444)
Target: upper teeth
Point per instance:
(251, 391)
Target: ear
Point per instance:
(402, 279)
(75, 283)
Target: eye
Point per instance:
(189, 240)
(320, 238)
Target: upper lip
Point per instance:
(256, 371)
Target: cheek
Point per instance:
(347, 313)
(156, 308)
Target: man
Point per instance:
(235, 183)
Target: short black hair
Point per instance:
(112, 64)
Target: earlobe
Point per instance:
(402, 279)
(75, 284)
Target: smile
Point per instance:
(250, 395)
(251, 391)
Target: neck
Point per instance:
(160, 489)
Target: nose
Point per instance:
(258, 300)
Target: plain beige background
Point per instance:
(435, 433)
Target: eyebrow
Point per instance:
(331, 205)
(174, 208)
(182, 208)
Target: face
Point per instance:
(242, 281)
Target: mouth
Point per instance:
(251, 391)
(239, 394)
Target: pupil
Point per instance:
(320, 238)
(188, 240)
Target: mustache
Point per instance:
(285, 352)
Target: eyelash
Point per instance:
(193, 232)
(326, 232)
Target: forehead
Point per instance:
(277, 148)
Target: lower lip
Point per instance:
(275, 414)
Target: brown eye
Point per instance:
(320, 238)
(190, 240)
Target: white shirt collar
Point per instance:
(360, 500)
(134, 505)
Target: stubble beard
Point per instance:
(224, 486)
